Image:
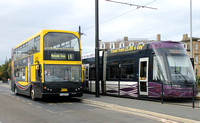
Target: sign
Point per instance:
(126, 49)
(58, 56)
(176, 51)
(70, 56)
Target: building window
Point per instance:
(131, 44)
(102, 46)
(112, 46)
(196, 59)
(185, 46)
(121, 45)
(196, 46)
(196, 72)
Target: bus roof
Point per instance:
(44, 31)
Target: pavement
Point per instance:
(149, 109)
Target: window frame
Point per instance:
(112, 44)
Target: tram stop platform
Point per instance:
(146, 108)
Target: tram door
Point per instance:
(143, 76)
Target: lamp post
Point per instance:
(97, 94)
(191, 52)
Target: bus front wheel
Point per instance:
(33, 94)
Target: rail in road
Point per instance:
(160, 117)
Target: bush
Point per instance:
(198, 79)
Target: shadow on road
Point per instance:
(53, 99)
(60, 100)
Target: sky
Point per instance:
(20, 19)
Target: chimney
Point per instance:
(185, 37)
(126, 38)
(158, 37)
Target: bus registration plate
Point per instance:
(64, 94)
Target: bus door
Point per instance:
(30, 61)
(143, 76)
(38, 72)
(86, 76)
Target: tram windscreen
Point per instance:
(180, 68)
(172, 65)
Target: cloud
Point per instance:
(22, 18)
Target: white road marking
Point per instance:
(143, 113)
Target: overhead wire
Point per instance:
(120, 15)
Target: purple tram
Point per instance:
(145, 70)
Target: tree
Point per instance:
(9, 69)
(1, 73)
(5, 70)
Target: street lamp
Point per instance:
(191, 52)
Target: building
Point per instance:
(185, 41)
(124, 42)
(196, 51)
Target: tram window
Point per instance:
(127, 61)
(113, 70)
(158, 69)
(92, 73)
(143, 70)
(127, 69)
(86, 73)
(155, 69)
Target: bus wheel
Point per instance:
(32, 94)
(15, 90)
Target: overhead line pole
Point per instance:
(97, 94)
(97, 91)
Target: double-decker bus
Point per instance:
(48, 63)
(144, 70)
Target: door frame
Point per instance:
(143, 81)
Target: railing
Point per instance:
(187, 94)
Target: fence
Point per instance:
(187, 94)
